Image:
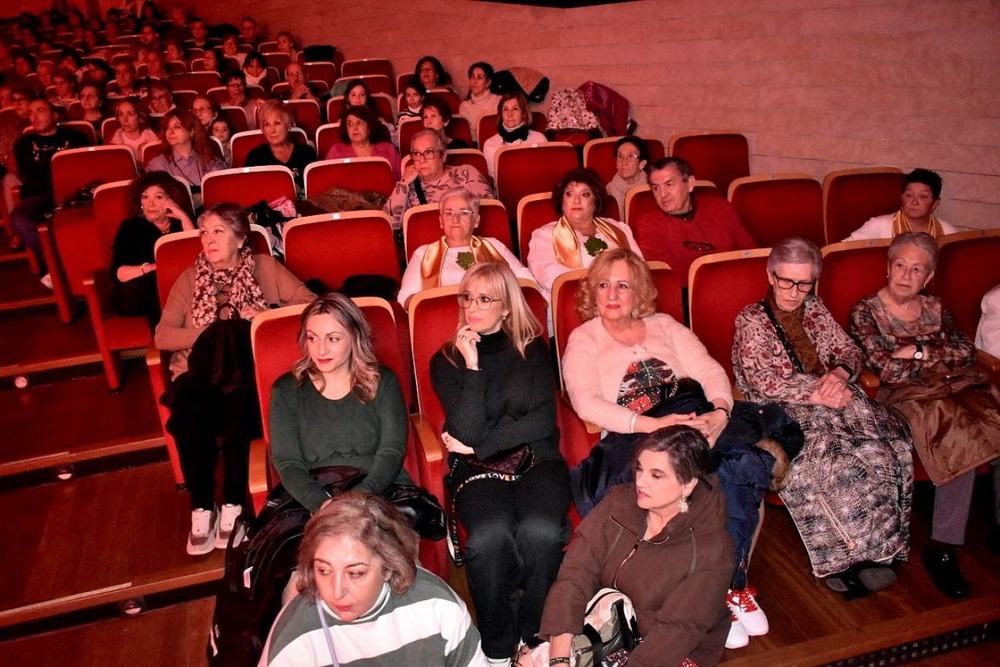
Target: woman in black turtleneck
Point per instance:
(513, 127)
(509, 484)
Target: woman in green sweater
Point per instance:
(337, 406)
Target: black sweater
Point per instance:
(510, 402)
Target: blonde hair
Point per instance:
(363, 365)
(520, 323)
(640, 280)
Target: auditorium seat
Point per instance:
(242, 143)
(366, 66)
(377, 83)
(306, 114)
(968, 267)
(852, 196)
(200, 81)
(326, 136)
(248, 185)
(76, 167)
(358, 174)
(851, 271)
(455, 157)
(639, 199)
(320, 71)
(525, 169)
(335, 246)
(720, 157)
(778, 206)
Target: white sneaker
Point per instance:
(738, 637)
(47, 280)
(743, 606)
(502, 662)
(229, 515)
(204, 526)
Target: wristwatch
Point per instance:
(919, 354)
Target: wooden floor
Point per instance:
(72, 547)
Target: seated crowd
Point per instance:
(683, 467)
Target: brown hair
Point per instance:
(373, 522)
(686, 448)
(522, 102)
(583, 176)
(160, 179)
(640, 280)
(199, 137)
(364, 367)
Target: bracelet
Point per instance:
(631, 423)
(729, 414)
(142, 269)
(559, 661)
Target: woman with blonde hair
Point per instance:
(337, 406)
(508, 481)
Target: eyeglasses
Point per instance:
(804, 286)
(428, 154)
(485, 302)
(460, 214)
(627, 157)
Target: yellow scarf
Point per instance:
(567, 246)
(433, 261)
(900, 224)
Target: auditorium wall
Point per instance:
(815, 85)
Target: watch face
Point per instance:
(918, 355)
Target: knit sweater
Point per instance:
(509, 402)
(475, 108)
(426, 625)
(677, 580)
(595, 364)
(309, 431)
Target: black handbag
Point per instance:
(421, 509)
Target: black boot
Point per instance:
(942, 564)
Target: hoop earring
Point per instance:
(683, 505)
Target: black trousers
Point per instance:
(516, 532)
(137, 298)
(202, 418)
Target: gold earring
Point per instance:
(683, 505)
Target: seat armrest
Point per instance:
(991, 363)
(259, 484)
(431, 459)
(577, 437)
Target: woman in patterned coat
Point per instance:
(850, 488)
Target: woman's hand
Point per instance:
(906, 352)
(560, 645)
(465, 342)
(409, 174)
(709, 424)
(649, 424)
(454, 445)
(175, 211)
(832, 390)
(250, 312)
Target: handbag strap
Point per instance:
(327, 633)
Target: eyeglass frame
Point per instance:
(628, 157)
(465, 301)
(415, 154)
(794, 284)
(461, 214)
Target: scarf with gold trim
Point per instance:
(901, 223)
(567, 246)
(433, 261)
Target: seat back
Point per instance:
(487, 126)
(326, 135)
(366, 66)
(306, 114)
(422, 224)
(320, 70)
(721, 286)
(235, 116)
(537, 210)
(852, 196)
(111, 207)
(565, 317)
(83, 128)
(851, 271)
(433, 317)
(277, 60)
(377, 83)
(201, 81)
(334, 246)
(74, 168)
(525, 169)
(968, 267)
(599, 155)
(720, 157)
(407, 128)
(354, 173)
(176, 252)
(108, 128)
(248, 185)
(778, 206)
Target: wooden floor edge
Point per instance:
(106, 595)
(24, 304)
(84, 453)
(886, 634)
(50, 364)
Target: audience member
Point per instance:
(508, 482)
(363, 135)
(480, 101)
(431, 73)
(226, 283)
(446, 261)
(436, 115)
(276, 121)
(427, 177)
(631, 161)
(513, 128)
(133, 130)
(921, 197)
(688, 224)
(187, 154)
(988, 331)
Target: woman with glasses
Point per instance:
(509, 484)
(579, 235)
(849, 490)
(631, 160)
(446, 261)
(362, 134)
(427, 177)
